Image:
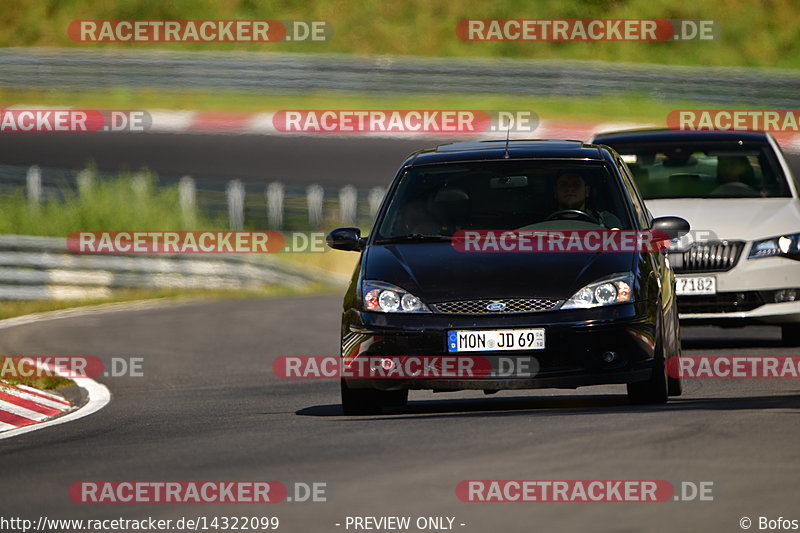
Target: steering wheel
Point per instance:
(579, 215)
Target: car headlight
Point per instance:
(612, 290)
(783, 245)
(384, 297)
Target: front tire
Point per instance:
(655, 390)
(356, 402)
(675, 386)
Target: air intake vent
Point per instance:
(718, 256)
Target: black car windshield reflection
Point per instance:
(432, 202)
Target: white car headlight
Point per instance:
(783, 245)
(614, 289)
(384, 297)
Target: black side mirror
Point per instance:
(348, 239)
(672, 227)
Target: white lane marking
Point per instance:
(14, 409)
(47, 402)
(95, 310)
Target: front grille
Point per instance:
(717, 256)
(512, 305)
(723, 302)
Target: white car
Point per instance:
(740, 265)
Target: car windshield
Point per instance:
(432, 202)
(693, 170)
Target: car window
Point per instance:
(440, 199)
(708, 170)
(642, 214)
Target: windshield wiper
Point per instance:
(414, 237)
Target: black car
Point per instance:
(580, 318)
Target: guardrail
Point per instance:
(69, 69)
(40, 268)
(251, 205)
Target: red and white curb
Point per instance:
(25, 409)
(164, 121)
(21, 406)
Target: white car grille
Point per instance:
(717, 256)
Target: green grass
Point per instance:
(753, 32)
(36, 382)
(114, 205)
(108, 205)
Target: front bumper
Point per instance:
(746, 294)
(575, 342)
(766, 314)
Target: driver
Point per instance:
(572, 192)
(734, 169)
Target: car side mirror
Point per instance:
(347, 239)
(672, 227)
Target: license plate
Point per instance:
(695, 285)
(495, 340)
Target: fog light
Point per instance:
(609, 357)
(387, 364)
(785, 295)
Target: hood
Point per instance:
(437, 272)
(733, 218)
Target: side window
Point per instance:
(642, 214)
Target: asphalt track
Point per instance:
(361, 161)
(256, 158)
(210, 408)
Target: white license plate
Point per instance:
(495, 340)
(686, 285)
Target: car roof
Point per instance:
(513, 149)
(658, 135)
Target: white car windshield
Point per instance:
(707, 170)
